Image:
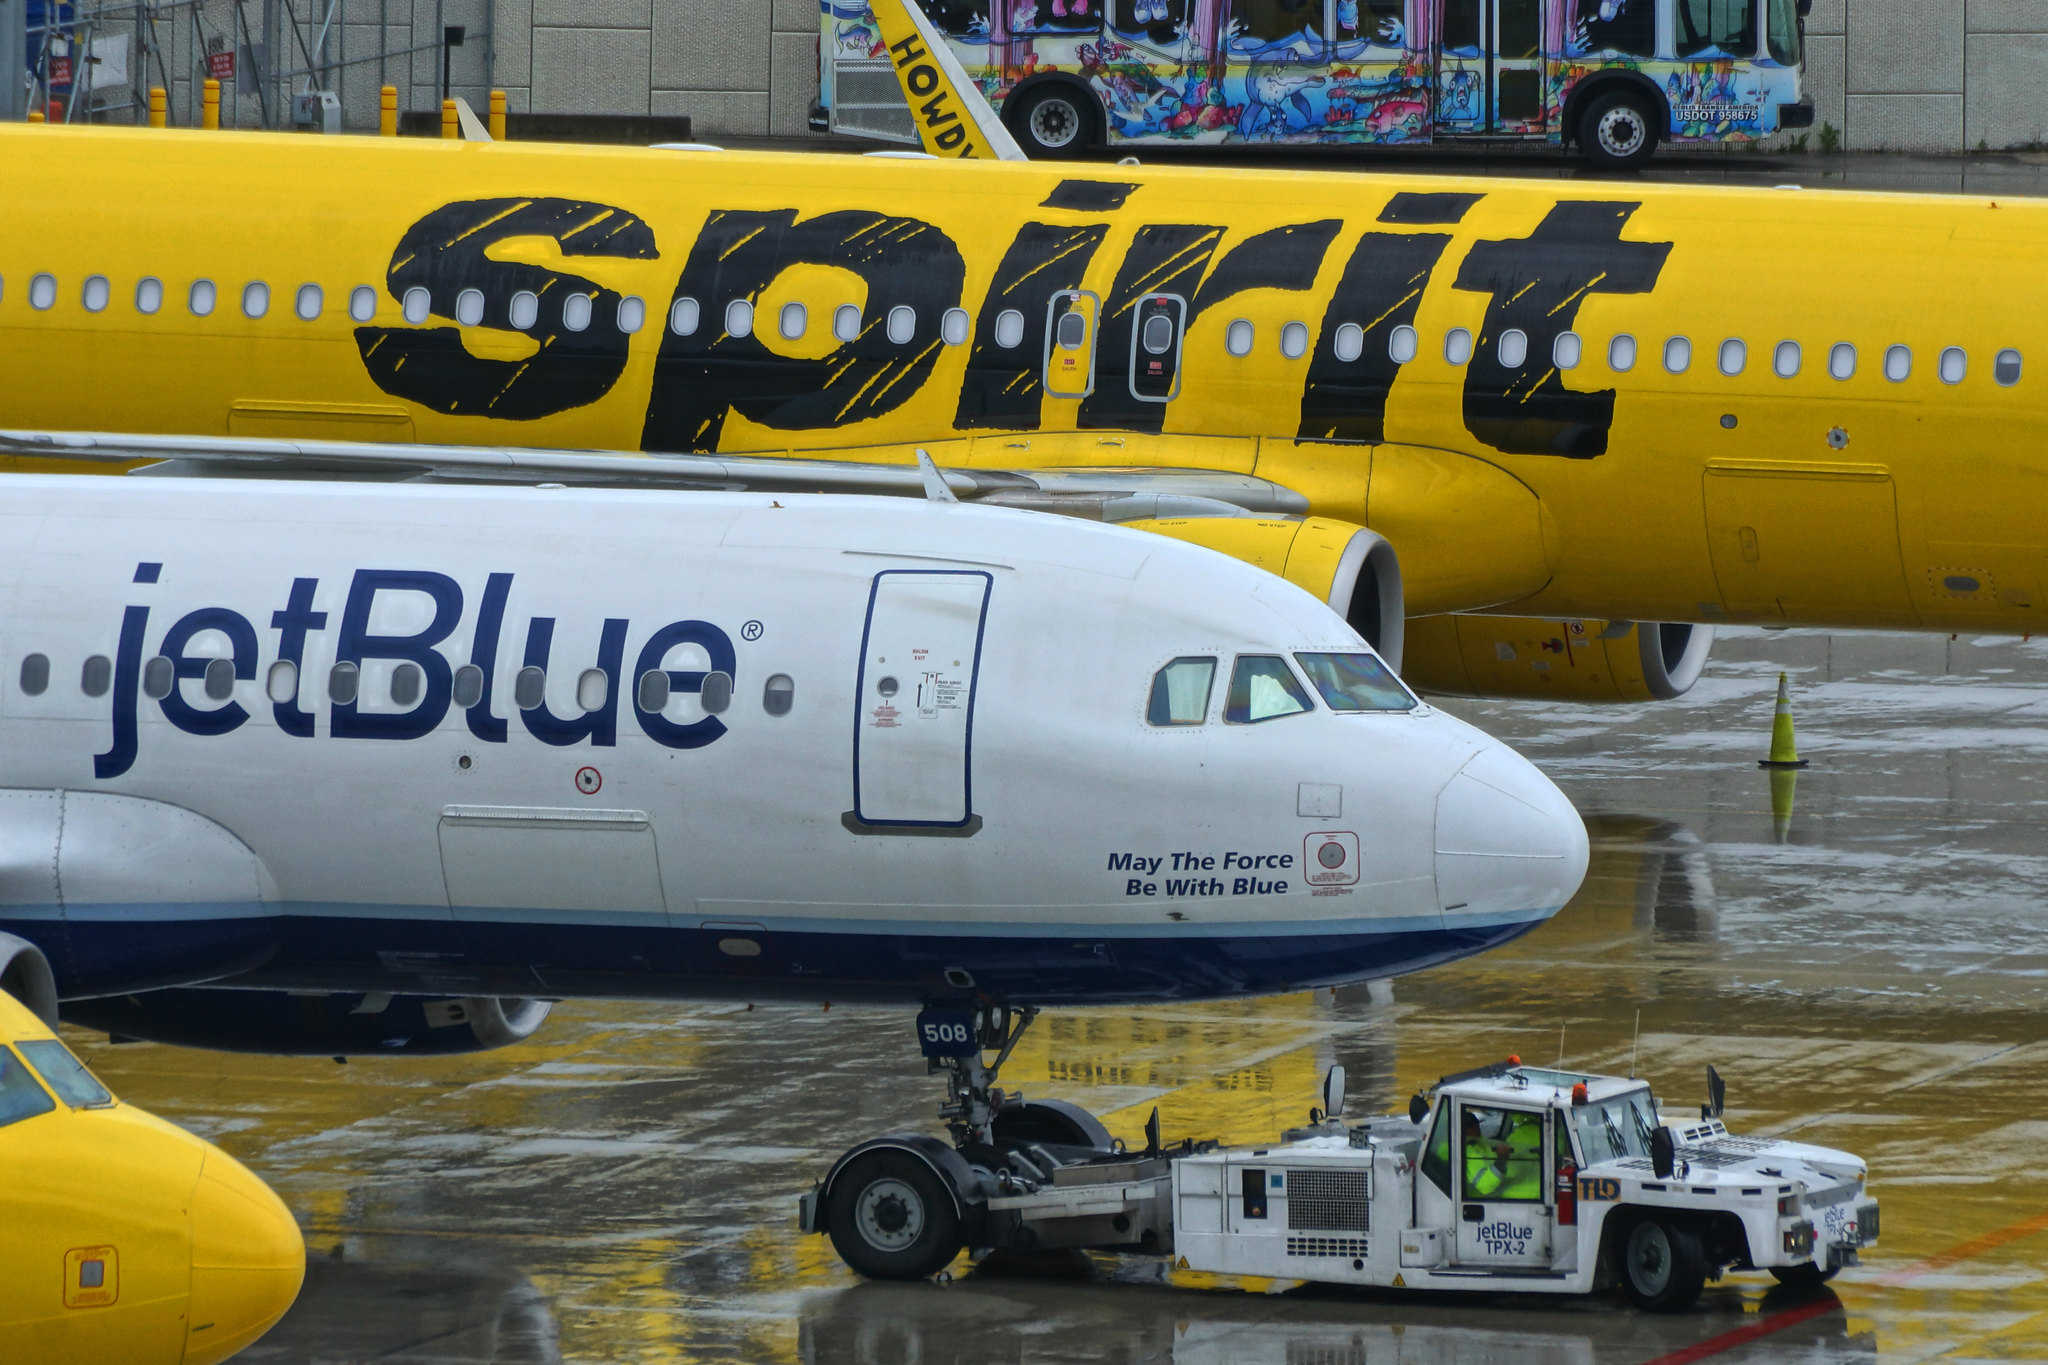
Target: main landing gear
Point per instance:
(1018, 1174)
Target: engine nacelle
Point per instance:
(25, 974)
(1524, 656)
(287, 1024)
(1351, 568)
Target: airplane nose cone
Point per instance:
(1509, 847)
(248, 1261)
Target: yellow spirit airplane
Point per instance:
(1576, 406)
(124, 1239)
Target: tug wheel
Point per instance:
(1662, 1266)
(891, 1218)
(1808, 1276)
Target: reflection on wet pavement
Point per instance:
(1873, 976)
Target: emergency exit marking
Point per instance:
(588, 780)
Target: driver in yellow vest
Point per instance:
(1522, 1158)
(1485, 1170)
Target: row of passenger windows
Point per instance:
(1263, 687)
(408, 683)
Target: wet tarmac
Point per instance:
(1866, 965)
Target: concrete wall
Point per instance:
(1930, 75)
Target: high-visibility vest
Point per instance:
(1482, 1172)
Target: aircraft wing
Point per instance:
(1095, 493)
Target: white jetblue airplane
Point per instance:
(399, 763)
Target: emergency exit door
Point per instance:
(1070, 325)
(1489, 70)
(913, 737)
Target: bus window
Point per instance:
(1625, 28)
(1782, 33)
(958, 18)
(1158, 20)
(1461, 36)
(1053, 16)
(1715, 30)
(1375, 23)
(1257, 26)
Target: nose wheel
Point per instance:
(955, 1042)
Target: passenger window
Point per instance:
(1294, 340)
(362, 303)
(902, 324)
(283, 682)
(1567, 351)
(846, 324)
(310, 301)
(1238, 337)
(682, 317)
(255, 299)
(523, 311)
(1734, 356)
(42, 293)
(1402, 344)
(149, 295)
(1262, 687)
(343, 681)
(220, 679)
(715, 692)
(778, 694)
(201, 298)
(1157, 336)
(64, 1073)
(576, 309)
(1954, 365)
(416, 305)
(95, 294)
(159, 675)
(1842, 360)
(35, 674)
(1257, 25)
(97, 676)
(1180, 692)
(1621, 353)
(1501, 1154)
(1356, 682)
(1349, 343)
(593, 688)
(1898, 363)
(795, 318)
(1785, 360)
(1457, 346)
(1716, 30)
(632, 314)
(406, 680)
(529, 688)
(1073, 331)
(954, 326)
(739, 318)
(2006, 369)
(20, 1097)
(653, 692)
(1512, 348)
(468, 686)
(1678, 354)
(469, 307)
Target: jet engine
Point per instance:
(1523, 656)
(316, 1024)
(25, 974)
(1351, 568)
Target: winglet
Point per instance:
(951, 116)
(935, 489)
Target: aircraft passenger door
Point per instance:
(1489, 71)
(1072, 318)
(1503, 1183)
(1155, 347)
(913, 732)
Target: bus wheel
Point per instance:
(1055, 122)
(1617, 132)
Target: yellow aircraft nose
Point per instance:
(248, 1260)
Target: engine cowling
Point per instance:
(1524, 656)
(1355, 570)
(25, 974)
(287, 1024)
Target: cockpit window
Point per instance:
(1180, 691)
(20, 1097)
(1355, 682)
(1262, 687)
(65, 1074)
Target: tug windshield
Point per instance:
(1616, 1128)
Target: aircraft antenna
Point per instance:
(1560, 1046)
(935, 489)
(1633, 1044)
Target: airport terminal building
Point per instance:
(1901, 75)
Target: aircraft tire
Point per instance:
(1803, 1277)
(890, 1217)
(1662, 1266)
(1617, 132)
(1055, 123)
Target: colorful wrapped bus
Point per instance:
(1612, 77)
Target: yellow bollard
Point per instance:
(1784, 754)
(451, 122)
(209, 109)
(159, 107)
(497, 116)
(387, 111)
(36, 116)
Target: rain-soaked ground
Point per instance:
(1868, 968)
